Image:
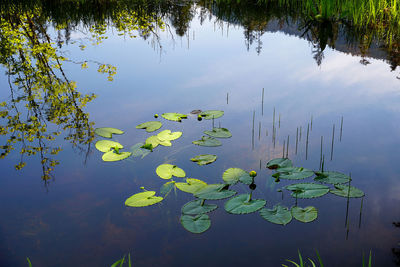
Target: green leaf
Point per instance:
(204, 159)
(143, 199)
(119, 262)
(210, 114)
(29, 262)
(305, 215)
(332, 177)
(166, 171)
(234, 175)
(114, 156)
(343, 191)
(219, 133)
(196, 224)
(207, 141)
(242, 205)
(174, 116)
(191, 186)
(279, 163)
(138, 151)
(107, 132)
(214, 192)
(307, 190)
(293, 173)
(150, 126)
(155, 141)
(167, 188)
(166, 135)
(194, 207)
(278, 214)
(107, 145)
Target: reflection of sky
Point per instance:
(82, 216)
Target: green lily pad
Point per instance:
(210, 114)
(138, 151)
(107, 145)
(167, 188)
(166, 135)
(155, 141)
(293, 173)
(207, 141)
(278, 214)
(332, 177)
(107, 132)
(166, 171)
(219, 133)
(233, 175)
(196, 224)
(241, 204)
(191, 186)
(204, 159)
(114, 156)
(305, 215)
(150, 126)
(343, 191)
(214, 192)
(143, 199)
(279, 163)
(174, 116)
(307, 190)
(194, 207)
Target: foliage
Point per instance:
(204, 159)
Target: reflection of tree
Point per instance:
(396, 250)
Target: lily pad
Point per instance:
(278, 215)
(191, 186)
(279, 163)
(307, 190)
(114, 156)
(174, 116)
(167, 188)
(210, 114)
(242, 205)
(143, 199)
(233, 175)
(150, 126)
(137, 151)
(155, 141)
(343, 191)
(305, 215)
(207, 141)
(204, 159)
(166, 135)
(332, 177)
(196, 224)
(214, 192)
(194, 207)
(107, 145)
(219, 133)
(107, 132)
(293, 173)
(166, 171)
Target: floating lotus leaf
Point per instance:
(174, 116)
(166, 171)
(191, 186)
(207, 141)
(332, 177)
(155, 141)
(307, 190)
(107, 132)
(278, 215)
(194, 207)
(143, 199)
(114, 156)
(166, 135)
(167, 187)
(343, 191)
(214, 192)
(150, 126)
(219, 133)
(234, 175)
(204, 159)
(137, 151)
(293, 173)
(242, 205)
(210, 114)
(305, 215)
(196, 224)
(107, 145)
(279, 163)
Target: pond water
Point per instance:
(272, 81)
